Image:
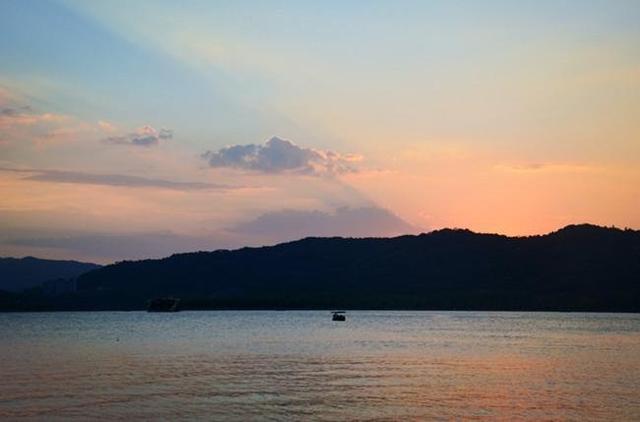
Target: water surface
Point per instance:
(379, 365)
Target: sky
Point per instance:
(139, 129)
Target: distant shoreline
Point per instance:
(328, 310)
(580, 268)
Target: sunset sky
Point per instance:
(133, 129)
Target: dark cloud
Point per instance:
(146, 136)
(9, 112)
(346, 222)
(15, 111)
(59, 176)
(280, 155)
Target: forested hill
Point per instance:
(17, 274)
(580, 267)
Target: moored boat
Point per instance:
(163, 304)
(338, 316)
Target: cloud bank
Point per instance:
(15, 111)
(280, 155)
(145, 136)
(346, 222)
(272, 227)
(106, 248)
(118, 180)
(25, 116)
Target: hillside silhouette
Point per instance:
(18, 274)
(577, 268)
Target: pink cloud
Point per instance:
(145, 136)
(23, 116)
(106, 126)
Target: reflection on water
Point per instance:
(301, 365)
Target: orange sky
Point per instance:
(233, 118)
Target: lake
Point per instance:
(299, 365)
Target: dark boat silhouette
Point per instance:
(163, 304)
(338, 316)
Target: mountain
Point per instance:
(578, 268)
(17, 274)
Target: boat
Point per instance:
(163, 304)
(338, 316)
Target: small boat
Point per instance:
(338, 316)
(163, 304)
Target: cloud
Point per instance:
(60, 176)
(24, 125)
(346, 222)
(106, 126)
(272, 227)
(105, 248)
(145, 136)
(25, 116)
(279, 155)
(14, 111)
(545, 167)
